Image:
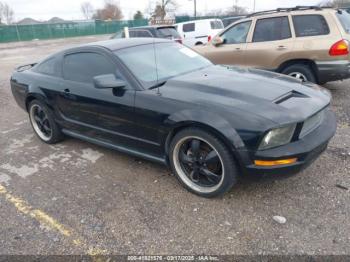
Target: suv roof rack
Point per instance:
(288, 9)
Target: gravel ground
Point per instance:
(77, 198)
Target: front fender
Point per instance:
(215, 122)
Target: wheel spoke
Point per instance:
(46, 128)
(37, 119)
(210, 175)
(212, 158)
(195, 147)
(186, 159)
(194, 176)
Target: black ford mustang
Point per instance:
(162, 101)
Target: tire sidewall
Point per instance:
(229, 164)
(56, 132)
(303, 69)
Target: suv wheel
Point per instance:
(300, 71)
(43, 123)
(202, 163)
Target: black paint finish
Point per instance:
(238, 105)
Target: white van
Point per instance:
(199, 32)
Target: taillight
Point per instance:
(339, 48)
(209, 38)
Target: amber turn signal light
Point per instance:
(275, 162)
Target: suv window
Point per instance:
(237, 34)
(168, 32)
(49, 67)
(216, 25)
(191, 27)
(83, 67)
(344, 18)
(272, 29)
(137, 33)
(310, 25)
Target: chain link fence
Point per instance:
(12, 33)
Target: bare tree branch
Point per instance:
(87, 10)
(111, 10)
(7, 13)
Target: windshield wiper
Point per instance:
(158, 85)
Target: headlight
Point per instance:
(278, 137)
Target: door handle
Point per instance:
(66, 90)
(281, 47)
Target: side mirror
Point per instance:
(217, 41)
(108, 81)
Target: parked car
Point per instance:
(309, 43)
(161, 101)
(230, 20)
(199, 32)
(157, 31)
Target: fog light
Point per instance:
(276, 162)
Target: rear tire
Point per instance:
(300, 71)
(43, 123)
(202, 163)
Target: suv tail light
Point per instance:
(209, 38)
(340, 48)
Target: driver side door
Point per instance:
(232, 51)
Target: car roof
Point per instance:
(152, 26)
(116, 44)
(292, 10)
(198, 21)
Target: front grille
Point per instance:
(312, 123)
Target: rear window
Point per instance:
(344, 18)
(216, 25)
(189, 27)
(272, 29)
(168, 32)
(49, 67)
(310, 25)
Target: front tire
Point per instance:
(43, 123)
(300, 71)
(202, 163)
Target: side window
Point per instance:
(237, 34)
(83, 67)
(49, 67)
(310, 25)
(191, 27)
(143, 33)
(272, 29)
(133, 33)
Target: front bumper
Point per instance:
(306, 150)
(333, 70)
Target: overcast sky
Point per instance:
(70, 9)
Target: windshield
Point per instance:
(344, 18)
(152, 64)
(168, 32)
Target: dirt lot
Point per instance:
(77, 198)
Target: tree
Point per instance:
(110, 11)
(163, 7)
(6, 13)
(138, 15)
(87, 10)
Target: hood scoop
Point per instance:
(290, 95)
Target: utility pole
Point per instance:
(195, 8)
(254, 6)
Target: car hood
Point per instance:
(276, 97)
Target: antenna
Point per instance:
(156, 62)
